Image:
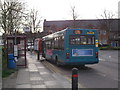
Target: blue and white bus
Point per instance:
(72, 47)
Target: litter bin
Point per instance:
(11, 61)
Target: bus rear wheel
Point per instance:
(82, 66)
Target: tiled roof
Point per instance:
(83, 23)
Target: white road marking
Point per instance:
(102, 74)
(102, 59)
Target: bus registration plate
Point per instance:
(82, 52)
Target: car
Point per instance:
(30, 48)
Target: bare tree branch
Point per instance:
(74, 13)
(11, 15)
(33, 20)
(105, 24)
(74, 16)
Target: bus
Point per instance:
(72, 47)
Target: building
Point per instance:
(107, 28)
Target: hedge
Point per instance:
(109, 48)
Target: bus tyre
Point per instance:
(82, 66)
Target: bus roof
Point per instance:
(60, 33)
(53, 35)
(38, 39)
(79, 29)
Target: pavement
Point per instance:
(36, 75)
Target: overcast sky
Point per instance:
(60, 9)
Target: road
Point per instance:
(101, 75)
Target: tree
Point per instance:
(74, 13)
(105, 23)
(74, 16)
(33, 21)
(11, 14)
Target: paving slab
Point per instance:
(36, 75)
(62, 80)
(39, 86)
(53, 84)
(37, 82)
(36, 78)
(23, 86)
(32, 67)
(9, 82)
(23, 77)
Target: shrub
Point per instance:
(116, 48)
(109, 48)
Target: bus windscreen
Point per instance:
(82, 39)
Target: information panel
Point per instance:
(15, 50)
(82, 52)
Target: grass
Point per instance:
(8, 72)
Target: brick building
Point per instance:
(107, 28)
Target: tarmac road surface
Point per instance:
(101, 75)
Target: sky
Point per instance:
(61, 9)
(119, 9)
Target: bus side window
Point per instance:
(62, 43)
(48, 45)
(56, 43)
(61, 47)
(52, 43)
(72, 40)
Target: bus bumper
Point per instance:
(80, 62)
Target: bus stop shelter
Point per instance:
(16, 45)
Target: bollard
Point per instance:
(74, 79)
(38, 56)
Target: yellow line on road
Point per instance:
(48, 66)
(56, 70)
(52, 67)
